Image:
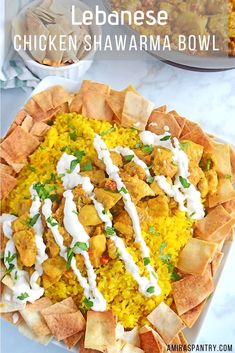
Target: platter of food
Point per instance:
(117, 220)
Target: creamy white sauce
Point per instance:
(15, 318)
(125, 151)
(112, 170)
(41, 247)
(189, 199)
(20, 278)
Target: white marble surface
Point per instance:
(208, 98)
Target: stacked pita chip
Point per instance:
(26, 132)
(52, 19)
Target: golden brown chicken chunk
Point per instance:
(96, 176)
(133, 169)
(159, 206)
(51, 245)
(88, 216)
(163, 163)
(137, 188)
(54, 267)
(21, 223)
(107, 198)
(25, 244)
(97, 248)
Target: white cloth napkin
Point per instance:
(13, 72)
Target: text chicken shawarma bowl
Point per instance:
(114, 217)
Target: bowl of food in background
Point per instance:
(52, 18)
(193, 18)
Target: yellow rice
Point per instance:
(117, 285)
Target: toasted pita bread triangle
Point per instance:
(159, 120)
(191, 316)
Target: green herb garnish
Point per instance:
(184, 144)
(162, 247)
(32, 221)
(10, 268)
(153, 231)
(165, 138)
(150, 179)
(87, 167)
(82, 246)
(109, 231)
(9, 258)
(88, 303)
(184, 182)
(146, 261)
(73, 135)
(75, 212)
(151, 290)
(138, 145)
(43, 190)
(52, 178)
(51, 221)
(165, 257)
(73, 165)
(208, 164)
(33, 169)
(228, 176)
(175, 276)
(123, 190)
(104, 133)
(23, 296)
(129, 157)
(147, 149)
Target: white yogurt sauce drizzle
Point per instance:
(20, 278)
(38, 229)
(189, 199)
(112, 170)
(76, 229)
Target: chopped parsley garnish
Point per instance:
(73, 165)
(32, 221)
(54, 197)
(43, 190)
(228, 176)
(51, 221)
(129, 157)
(75, 212)
(151, 290)
(118, 253)
(70, 252)
(23, 296)
(162, 247)
(165, 138)
(52, 178)
(16, 275)
(123, 190)
(87, 167)
(79, 155)
(146, 261)
(88, 303)
(150, 180)
(147, 149)
(175, 276)
(103, 211)
(33, 169)
(165, 257)
(138, 145)
(73, 135)
(9, 258)
(153, 231)
(10, 268)
(184, 182)
(104, 133)
(82, 246)
(184, 144)
(208, 164)
(109, 231)
(192, 214)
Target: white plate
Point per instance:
(192, 334)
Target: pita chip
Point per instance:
(82, 348)
(100, 88)
(232, 160)
(8, 182)
(115, 101)
(76, 104)
(158, 121)
(36, 28)
(136, 111)
(27, 123)
(4, 168)
(215, 226)
(129, 348)
(64, 319)
(222, 154)
(17, 146)
(216, 262)
(225, 192)
(191, 316)
(151, 341)
(230, 207)
(27, 332)
(95, 106)
(100, 330)
(71, 341)
(166, 321)
(39, 129)
(162, 108)
(196, 255)
(13, 318)
(33, 318)
(191, 291)
(54, 57)
(197, 135)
